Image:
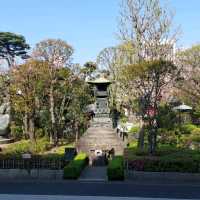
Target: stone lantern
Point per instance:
(101, 94)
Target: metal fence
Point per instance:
(32, 164)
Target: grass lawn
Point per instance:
(41, 147)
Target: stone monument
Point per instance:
(4, 122)
(100, 138)
(100, 86)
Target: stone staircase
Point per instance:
(100, 136)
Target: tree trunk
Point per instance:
(53, 137)
(31, 129)
(141, 137)
(25, 122)
(76, 132)
(152, 139)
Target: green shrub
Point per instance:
(192, 139)
(39, 133)
(178, 165)
(75, 167)
(166, 117)
(195, 138)
(170, 137)
(123, 120)
(187, 128)
(115, 170)
(24, 146)
(165, 165)
(168, 159)
(40, 146)
(16, 149)
(196, 131)
(134, 130)
(16, 131)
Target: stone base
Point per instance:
(100, 136)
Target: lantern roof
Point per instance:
(100, 80)
(182, 107)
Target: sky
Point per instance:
(87, 25)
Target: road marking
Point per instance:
(59, 197)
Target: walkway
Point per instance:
(94, 174)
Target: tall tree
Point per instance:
(189, 84)
(88, 69)
(150, 78)
(148, 26)
(28, 83)
(58, 54)
(112, 59)
(11, 46)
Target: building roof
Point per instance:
(99, 80)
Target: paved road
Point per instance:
(121, 189)
(47, 197)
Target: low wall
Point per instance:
(31, 174)
(162, 176)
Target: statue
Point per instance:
(4, 119)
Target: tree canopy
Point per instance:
(11, 46)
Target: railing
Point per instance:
(32, 164)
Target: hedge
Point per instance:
(165, 165)
(74, 168)
(115, 169)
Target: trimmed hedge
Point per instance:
(165, 165)
(74, 168)
(115, 169)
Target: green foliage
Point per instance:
(40, 146)
(171, 165)
(191, 140)
(166, 117)
(170, 137)
(187, 128)
(16, 131)
(196, 131)
(134, 130)
(16, 149)
(166, 159)
(89, 68)
(146, 69)
(12, 45)
(75, 167)
(115, 169)
(195, 138)
(123, 119)
(24, 146)
(39, 133)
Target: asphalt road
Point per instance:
(58, 197)
(121, 189)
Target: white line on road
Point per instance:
(58, 197)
